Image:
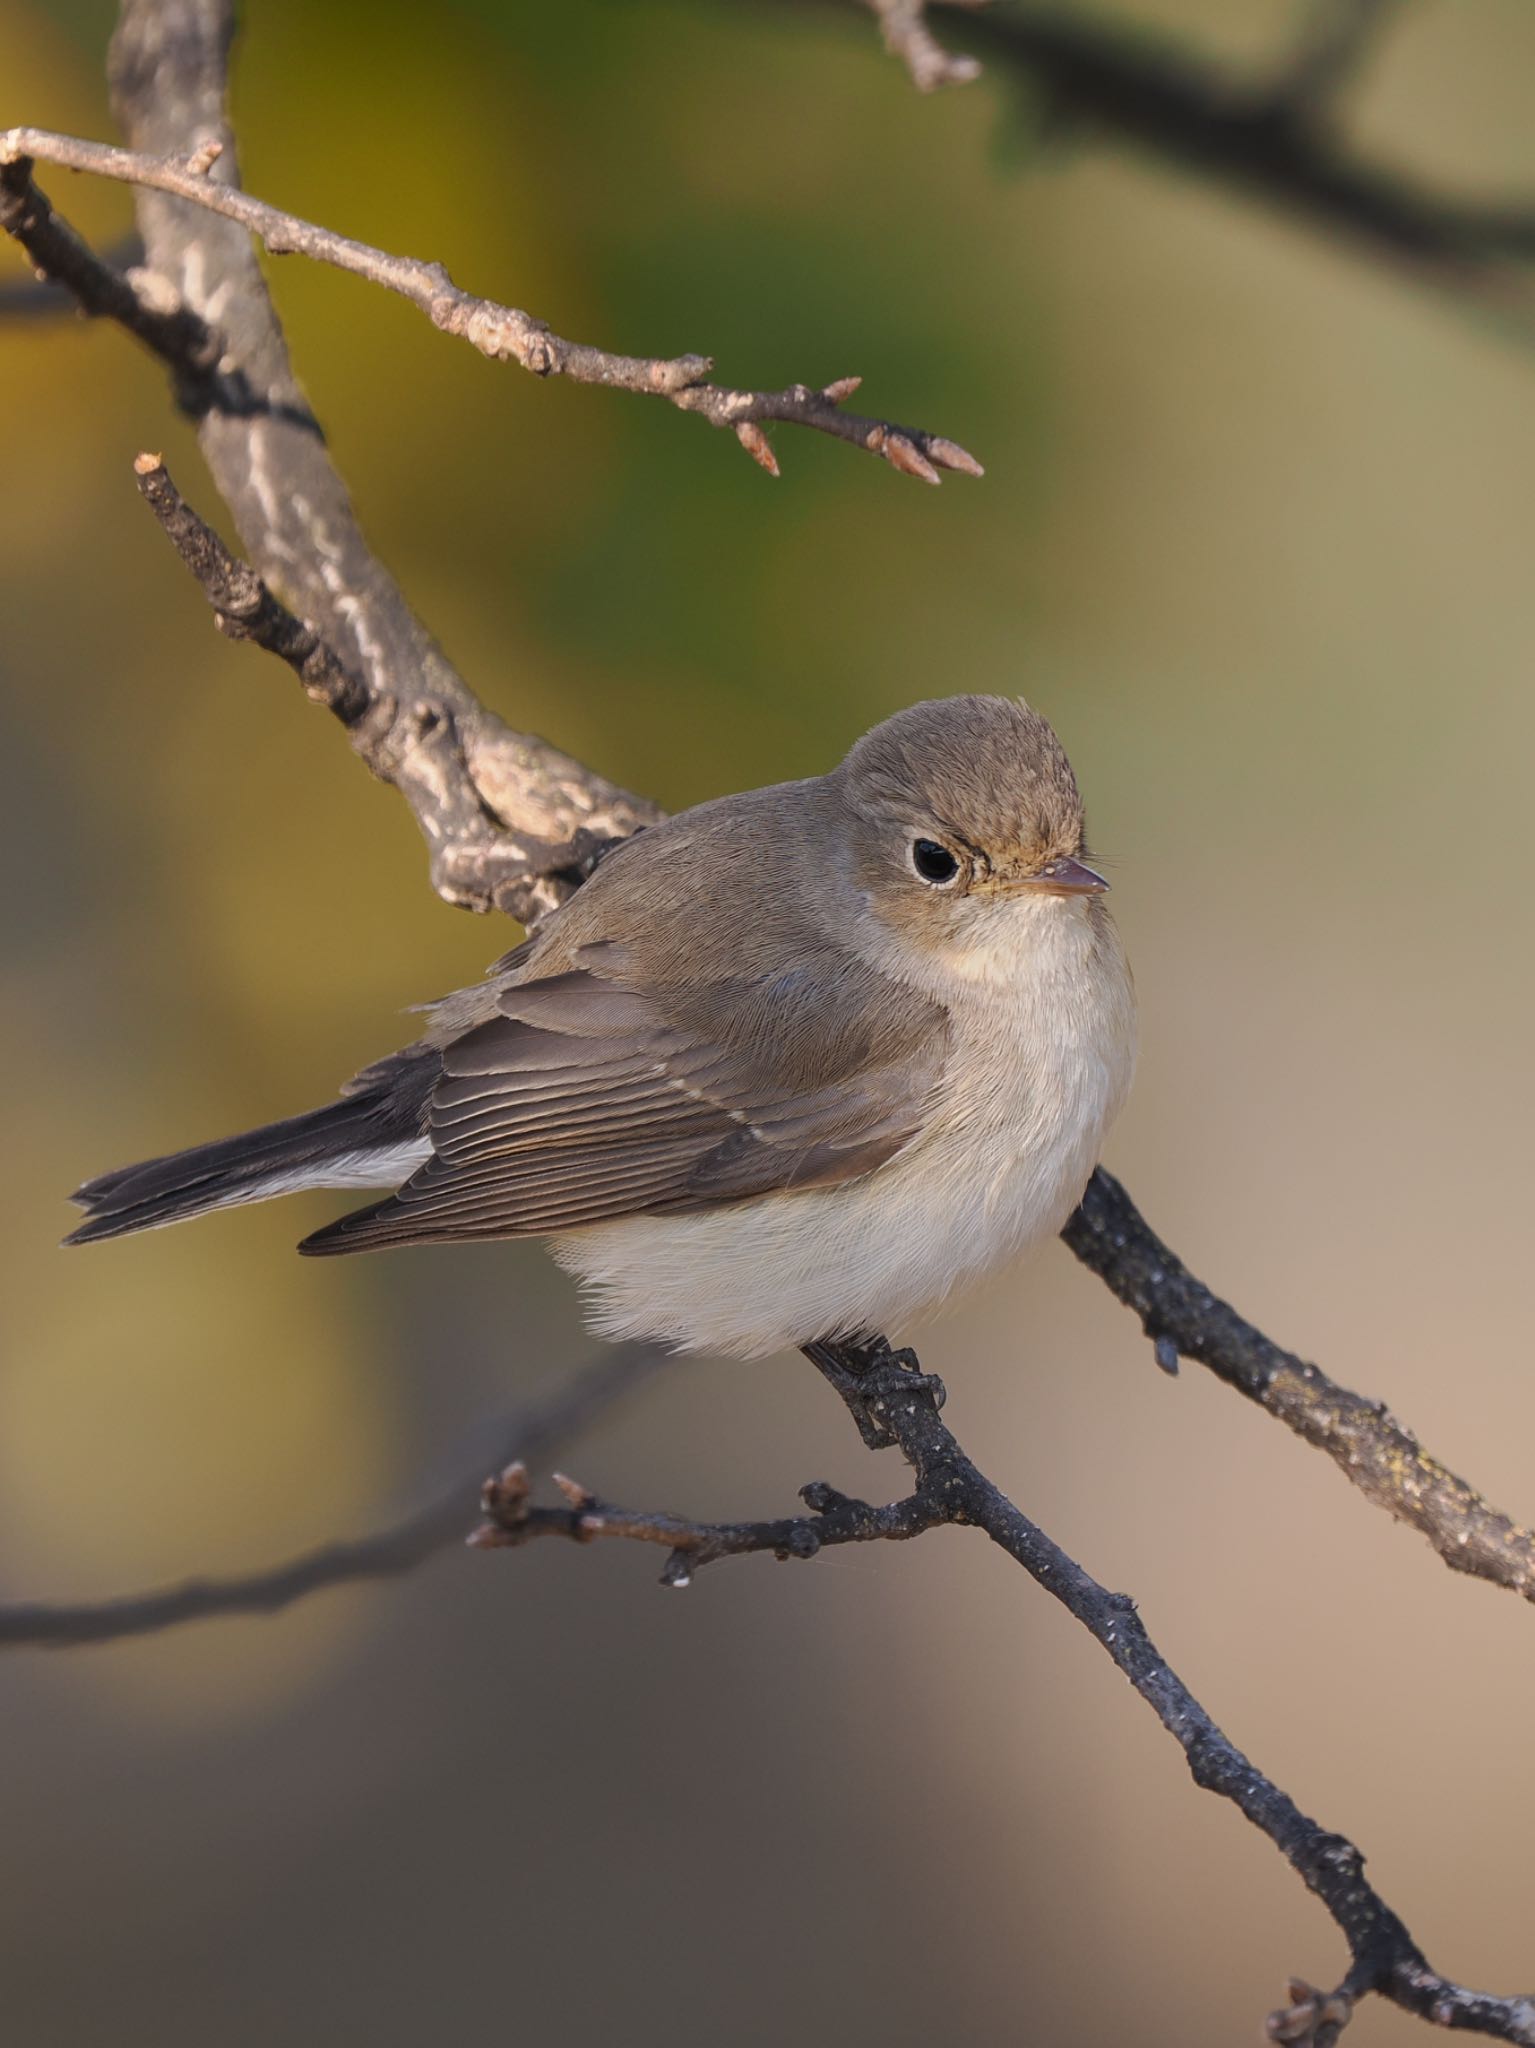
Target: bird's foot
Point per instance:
(872, 1377)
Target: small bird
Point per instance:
(791, 1066)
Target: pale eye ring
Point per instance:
(933, 863)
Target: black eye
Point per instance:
(934, 863)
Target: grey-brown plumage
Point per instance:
(748, 1007)
(604, 1073)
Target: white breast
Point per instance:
(1042, 1049)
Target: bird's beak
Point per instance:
(1066, 877)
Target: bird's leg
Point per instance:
(869, 1374)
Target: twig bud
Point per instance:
(578, 1495)
(906, 456)
(757, 445)
(949, 455)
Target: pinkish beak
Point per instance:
(1066, 877)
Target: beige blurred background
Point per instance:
(1256, 534)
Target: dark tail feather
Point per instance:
(384, 1111)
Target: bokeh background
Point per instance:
(1256, 533)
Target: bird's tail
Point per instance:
(371, 1138)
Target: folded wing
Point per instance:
(585, 1099)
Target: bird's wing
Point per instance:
(584, 1099)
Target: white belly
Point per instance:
(1035, 1077)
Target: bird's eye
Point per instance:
(934, 863)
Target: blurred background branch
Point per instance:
(1271, 136)
(537, 1431)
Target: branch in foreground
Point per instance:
(900, 1407)
(1384, 1460)
(533, 1432)
(503, 333)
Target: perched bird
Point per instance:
(790, 1066)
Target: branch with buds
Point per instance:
(504, 333)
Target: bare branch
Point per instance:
(504, 333)
(1384, 1460)
(511, 1519)
(898, 1406)
(439, 1524)
(903, 24)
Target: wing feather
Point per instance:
(586, 1098)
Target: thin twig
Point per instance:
(504, 333)
(534, 1431)
(511, 1518)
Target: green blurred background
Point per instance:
(1255, 533)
